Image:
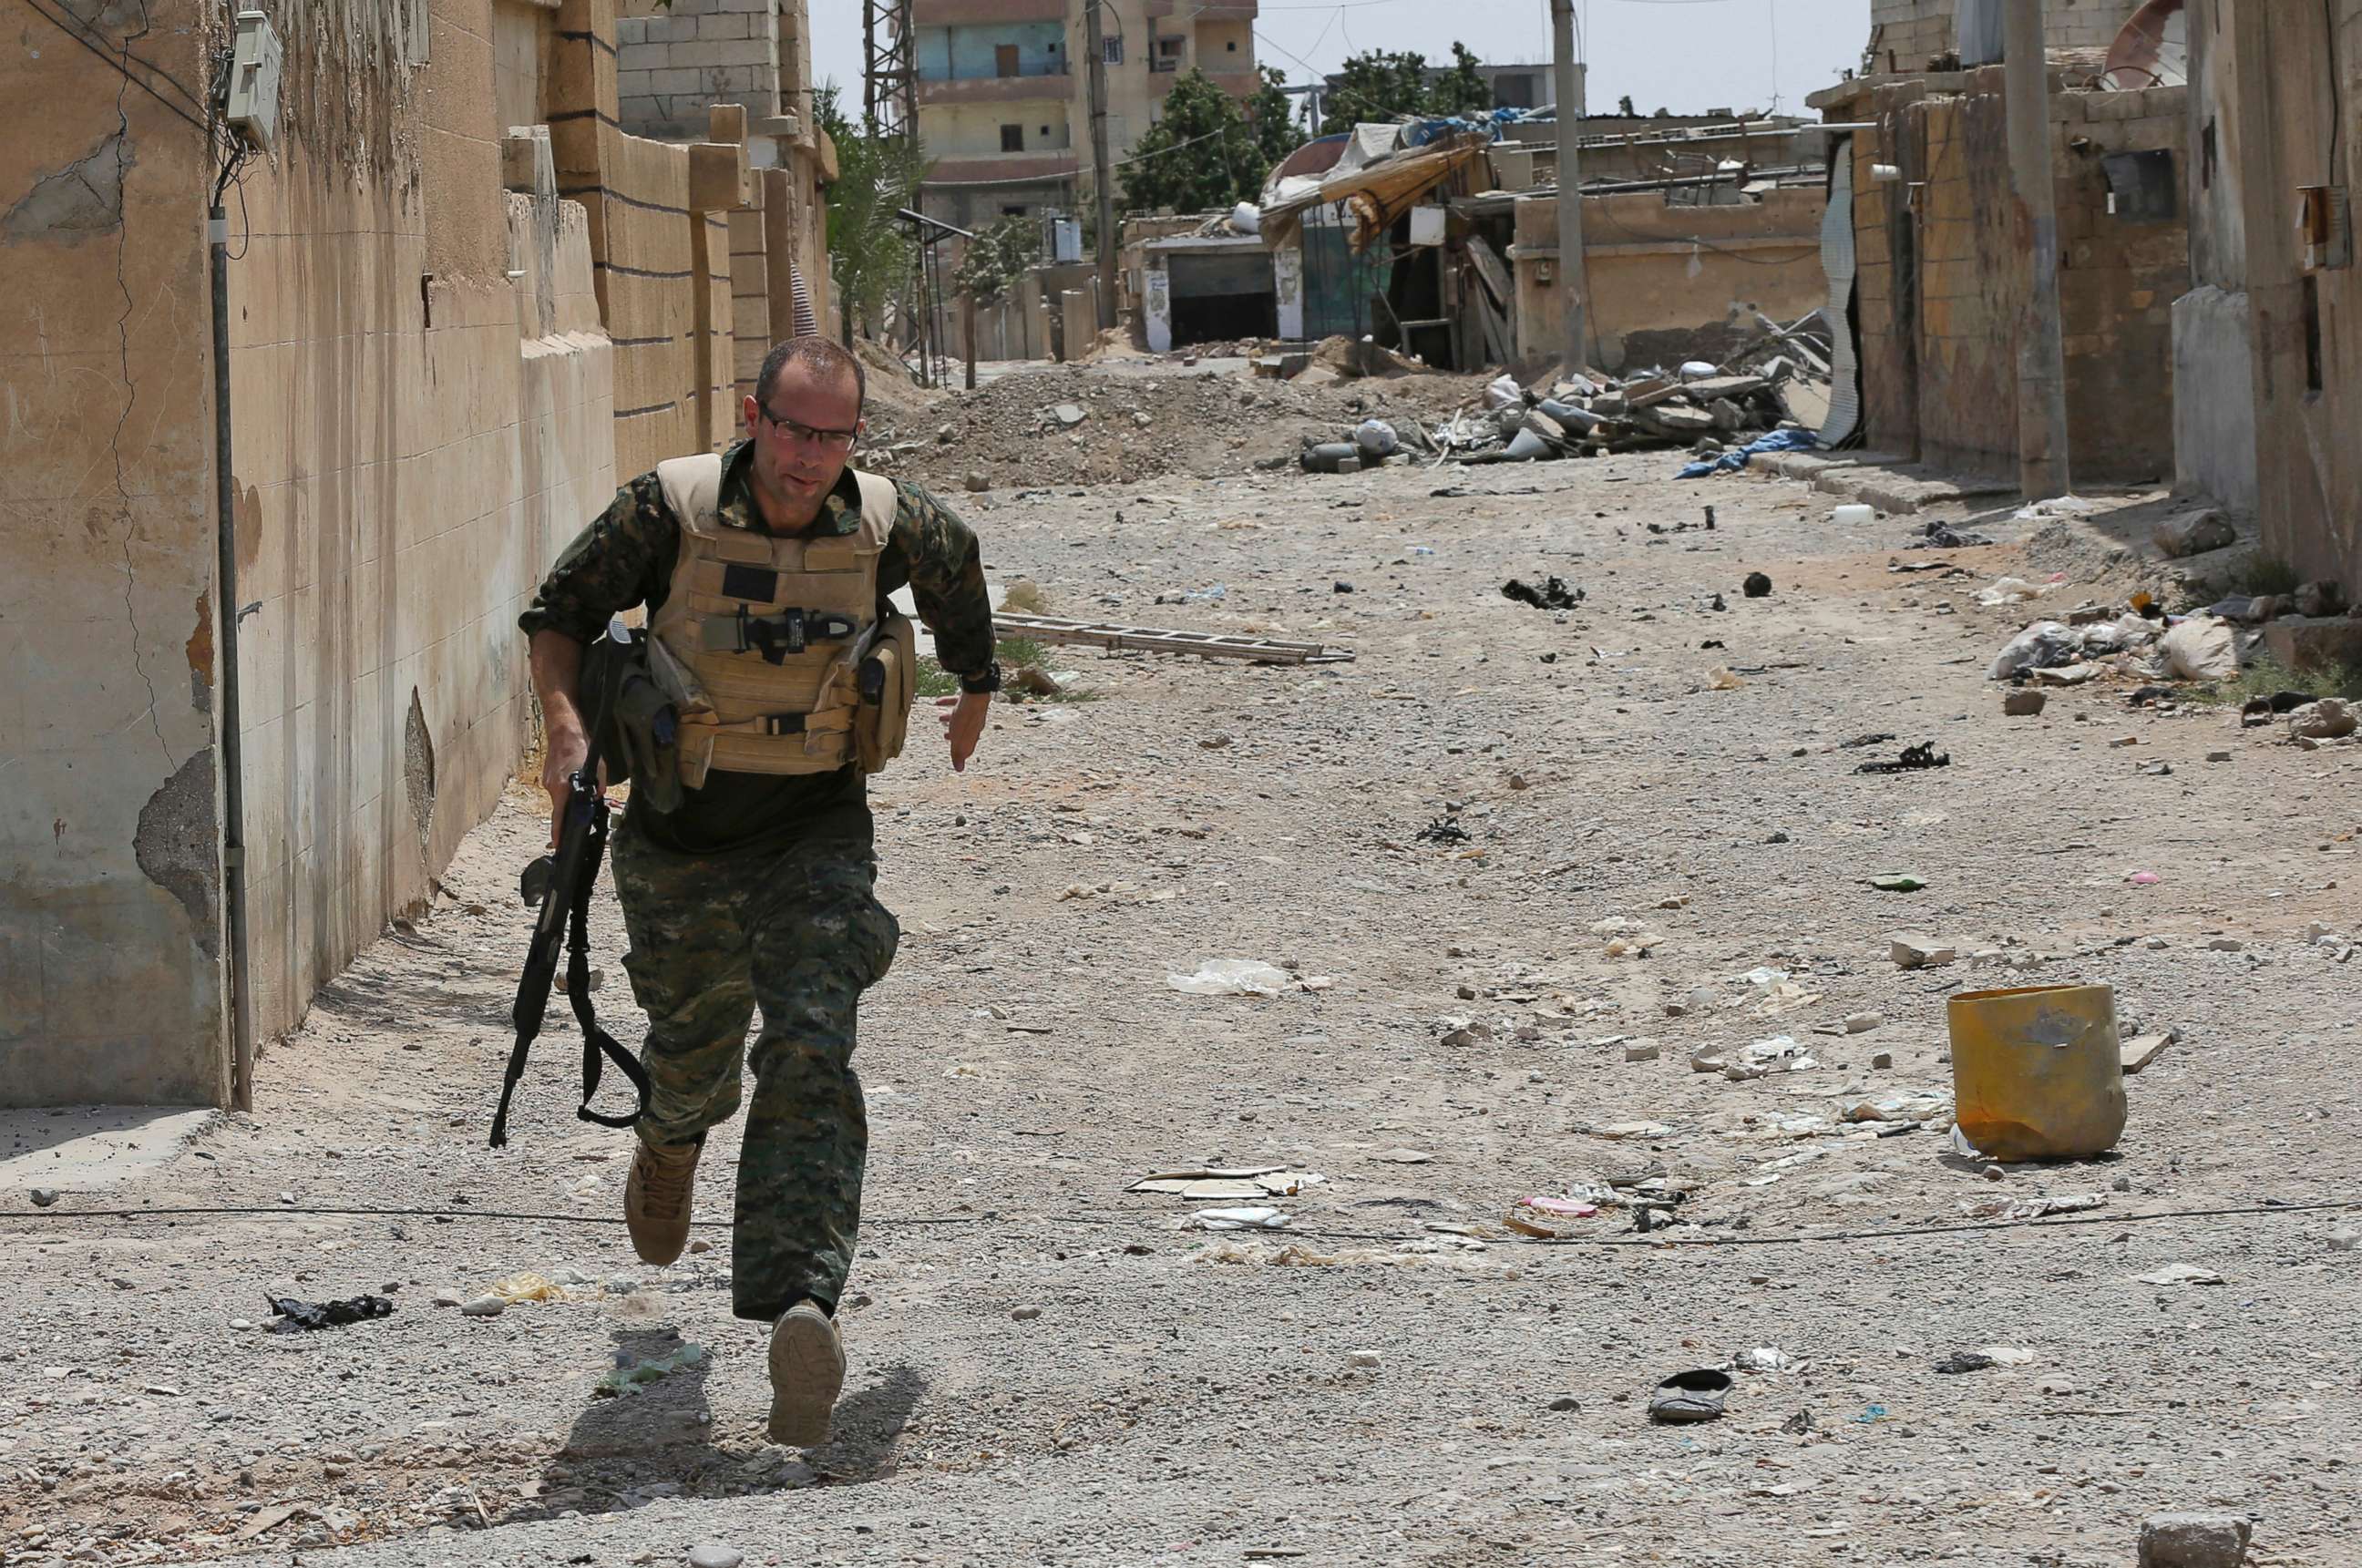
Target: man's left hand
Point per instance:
(963, 718)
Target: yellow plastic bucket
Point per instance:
(2037, 1073)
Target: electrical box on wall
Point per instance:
(2324, 224)
(255, 55)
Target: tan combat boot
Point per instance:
(806, 1375)
(656, 1198)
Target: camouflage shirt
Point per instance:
(625, 559)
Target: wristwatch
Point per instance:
(988, 681)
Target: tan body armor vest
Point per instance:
(773, 649)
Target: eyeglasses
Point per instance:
(799, 433)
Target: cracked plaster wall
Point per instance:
(415, 435)
(111, 982)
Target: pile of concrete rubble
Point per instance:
(1715, 412)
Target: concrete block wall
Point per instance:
(1940, 324)
(1905, 35)
(1655, 268)
(672, 64)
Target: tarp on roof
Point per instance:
(1374, 191)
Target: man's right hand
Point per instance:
(569, 748)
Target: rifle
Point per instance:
(560, 887)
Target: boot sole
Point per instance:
(806, 1375)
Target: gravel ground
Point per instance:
(1047, 1369)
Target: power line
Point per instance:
(92, 41)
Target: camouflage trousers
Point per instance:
(799, 934)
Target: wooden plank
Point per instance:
(1489, 268)
(1497, 332)
(1206, 645)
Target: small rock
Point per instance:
(1863, 1023)
(2344, 1238)
(1642, 1051)
(2226, 945)
(446, 1299)
(2122, 740)
(1368, 1358)
(978, 483)
(2194, 533)
(1777, 838)
(1566, 1402)
(714, 1554)
(1756, 586)
(483, 1307)
(2193, 1541)
(1026, 1314)
(1910, 952)
(701, 1246)
(241, 1323)
(1341, 586)
(2024, 704)
(2218, 756)
(2121, 1183)
(1880, 1061)
(44, 1196)
(1068, 415)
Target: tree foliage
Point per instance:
(997, 257)
(1462, 89)
(877, 177)
(1379, 84)
(1202, 154)
(1376, 85)
(1272, 115)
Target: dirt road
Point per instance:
(1048, 1369)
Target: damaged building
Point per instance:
(462, 299)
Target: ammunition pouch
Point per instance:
(640, 736)
(885, 679)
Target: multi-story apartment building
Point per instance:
(1004, 105)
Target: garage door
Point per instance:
(1212, 277)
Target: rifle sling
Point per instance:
(596, 1042)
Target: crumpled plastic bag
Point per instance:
(2012, 591)
(1376, 438)
(1232, 977)
(2046, 645)
(1505, 393)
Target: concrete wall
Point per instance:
(672, 63)
(416, 434)
(2295, 130)
(413, 430)
(1943, 279)
(1657, 268)
(973, 130)
(111, 938)
(1905, 35)
(2214, 420)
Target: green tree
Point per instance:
(1462, 89)
(997, 257)
(1272, 115)
(877, 177)
(1375, 86)
(1202, 154)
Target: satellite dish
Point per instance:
(2153, 50)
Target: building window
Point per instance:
(1113, 50)
(1008, 211)
(1232, 46)
(1045, 133)
(1012, 138)
(1004, 59)
(1168, 54)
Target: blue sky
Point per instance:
(1684, 55)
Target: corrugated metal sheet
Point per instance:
(1837, 261)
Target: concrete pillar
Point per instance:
(1081, 319)
(1156, 302)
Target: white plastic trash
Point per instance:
(1698, 370)
(1232, 977)
(1376, 438)
(1855, 516)
(1247, 218)
(1505, 393)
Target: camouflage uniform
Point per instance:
(758, 893)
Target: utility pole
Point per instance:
(1574, 277)
(1095, 42)
(2042, 454)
